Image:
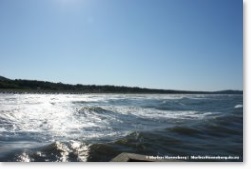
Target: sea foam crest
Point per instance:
(238, 106)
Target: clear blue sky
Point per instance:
(169, 44)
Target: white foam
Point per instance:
(23, 158)
(238, 106)
(159, 114)
(51, 121)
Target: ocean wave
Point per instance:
(96, 109)
(56, 152)
(151, 113)
(99, 127)
(185, 130)
(24, 157)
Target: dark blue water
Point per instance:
(35, 127)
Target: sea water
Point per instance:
(98, 127)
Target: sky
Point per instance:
(163, 44)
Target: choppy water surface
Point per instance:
(95, 127)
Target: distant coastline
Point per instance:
(34, 86)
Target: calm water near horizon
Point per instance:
(97, 127)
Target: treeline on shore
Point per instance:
(34, 86)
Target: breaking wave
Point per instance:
(99, 127)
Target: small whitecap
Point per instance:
(24, 158)
(238, 106)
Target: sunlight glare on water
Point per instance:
(64, 127)
(61, 115)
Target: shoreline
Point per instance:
(21, 91)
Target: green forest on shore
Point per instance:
(34, 86)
